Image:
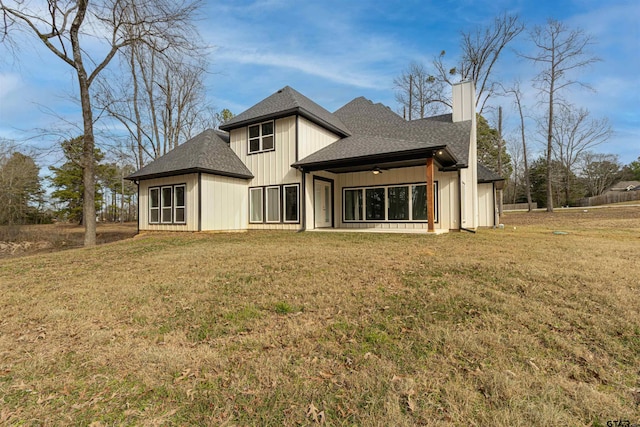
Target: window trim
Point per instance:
(164, 207)
(152, 208)
(284, 203)
(260, 138)
(281, 204)
(386, 204)
(268, 203)
(262, 207)
(183, 206)
(172, 206)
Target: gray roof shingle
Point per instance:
(487, 175)
(284, 102)
(207, 152)
(376, 130)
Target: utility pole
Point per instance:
(410, 95)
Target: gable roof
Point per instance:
(376, 131)
(285, 102)
(207, 152)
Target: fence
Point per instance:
(613, 197)
(518, 206)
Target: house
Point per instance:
(289, 164)
(624, 186)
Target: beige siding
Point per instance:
(469, 199)
(312, 138)
(486, 205)
(271, 167)
(191, 213)
(224, 203)
(447, 195)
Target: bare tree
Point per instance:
(559, 51)
(599, 171)
(517, 96)
(67, 27)
(514, 148)
(574, 133)
(428, 88)
(416, 91)
(163, 100)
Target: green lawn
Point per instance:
(504, 328)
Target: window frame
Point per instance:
(268, 203)
(154, 208)
(386, 219)
(262, 213)
(360, 211)
(260, 138)
(284, 204)
(183, 206)
(281, 203)
(173, 206)
(164, 207)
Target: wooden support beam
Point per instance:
(430, 196)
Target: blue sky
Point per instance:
(333, 51)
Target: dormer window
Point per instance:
(261, 138)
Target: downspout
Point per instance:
(199, 201)
(460, 205)
(138, 209)
(303, 199)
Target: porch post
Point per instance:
(430, 200)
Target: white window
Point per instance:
(353, 205)
(179, 203)
(168, 204)
(393, 203)
(261, 137)
(273, 204)
(290, 201)
(154, 205)
(255, 204)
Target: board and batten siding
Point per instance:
(191, 203)
(447, 196)
(270, 167)
(312, 138)
(486, 205)
(224, 203)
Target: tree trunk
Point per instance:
(567, 186)
(136, 109)
(549, 147)
(88, 146)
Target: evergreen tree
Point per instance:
(22, 192)
(68, 181)
(488, 152)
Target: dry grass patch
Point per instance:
(505, 327)
(21, 240)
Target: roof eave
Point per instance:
(371, 159)
(135, 177)
(280, 114)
